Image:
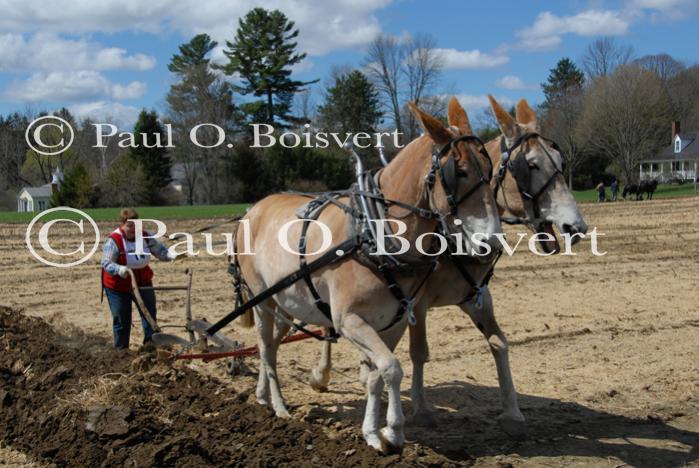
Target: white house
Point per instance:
(37, 198)
(679, 161)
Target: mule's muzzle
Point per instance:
(548, 246)
(572, 229)
(486, 254)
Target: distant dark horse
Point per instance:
(645, 186)
(630, 189)
(648, 187)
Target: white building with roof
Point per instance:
(36, 199)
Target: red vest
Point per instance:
(144, 276)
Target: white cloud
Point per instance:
(49, 52)
(470, 59)
(119, 114)
(548, 28)
(71, 86)
(665, 9)
(513, 82)
(133, 90)
(477, 103)
(336, 24)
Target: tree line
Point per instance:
(606, 112)
(613, 109)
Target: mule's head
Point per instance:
(461, 186)
(533, 187)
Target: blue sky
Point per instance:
(109, 59)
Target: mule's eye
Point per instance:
(533, 165)
(461, 173)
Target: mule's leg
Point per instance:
(268, 384)
(364, 369)
(364, 337)
(511, 420)
(372, 412)
(419, 354)
(320, 375)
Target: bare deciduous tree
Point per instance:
(560, 123)
(683, 90)
(423, 66)
(384, 62)
(626, 117)
(663, 65)
(413, 65)
(604, 55)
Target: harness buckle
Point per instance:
(478, 299)
(409, 304)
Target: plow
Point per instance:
(200, 344)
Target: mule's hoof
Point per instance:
(391, 442)
(283, 413)
(423, 419)
(514, 427)
(262, 401)
(374, 441)
(316, 384)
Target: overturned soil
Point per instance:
(72, 400)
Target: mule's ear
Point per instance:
(433, 127)
(458, 117)
(507, 124)
(526, 115)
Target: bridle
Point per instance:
(521, 172)
(449, 174)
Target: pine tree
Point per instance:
(76, 190)
(154, 161)
(262, 54)
(192, 54)
(565, 77)
(199, 96)
(351, 104)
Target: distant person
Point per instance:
(615, 189)
(602, 196)
(118, 255)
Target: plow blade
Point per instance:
(225, 343)
(166, 339)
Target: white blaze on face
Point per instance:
(556, 203)
(560, 208)
(479, 215)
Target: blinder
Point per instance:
(449, 173)
(519, 167)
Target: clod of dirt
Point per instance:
(108, 421)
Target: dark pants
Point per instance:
(120, 306)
